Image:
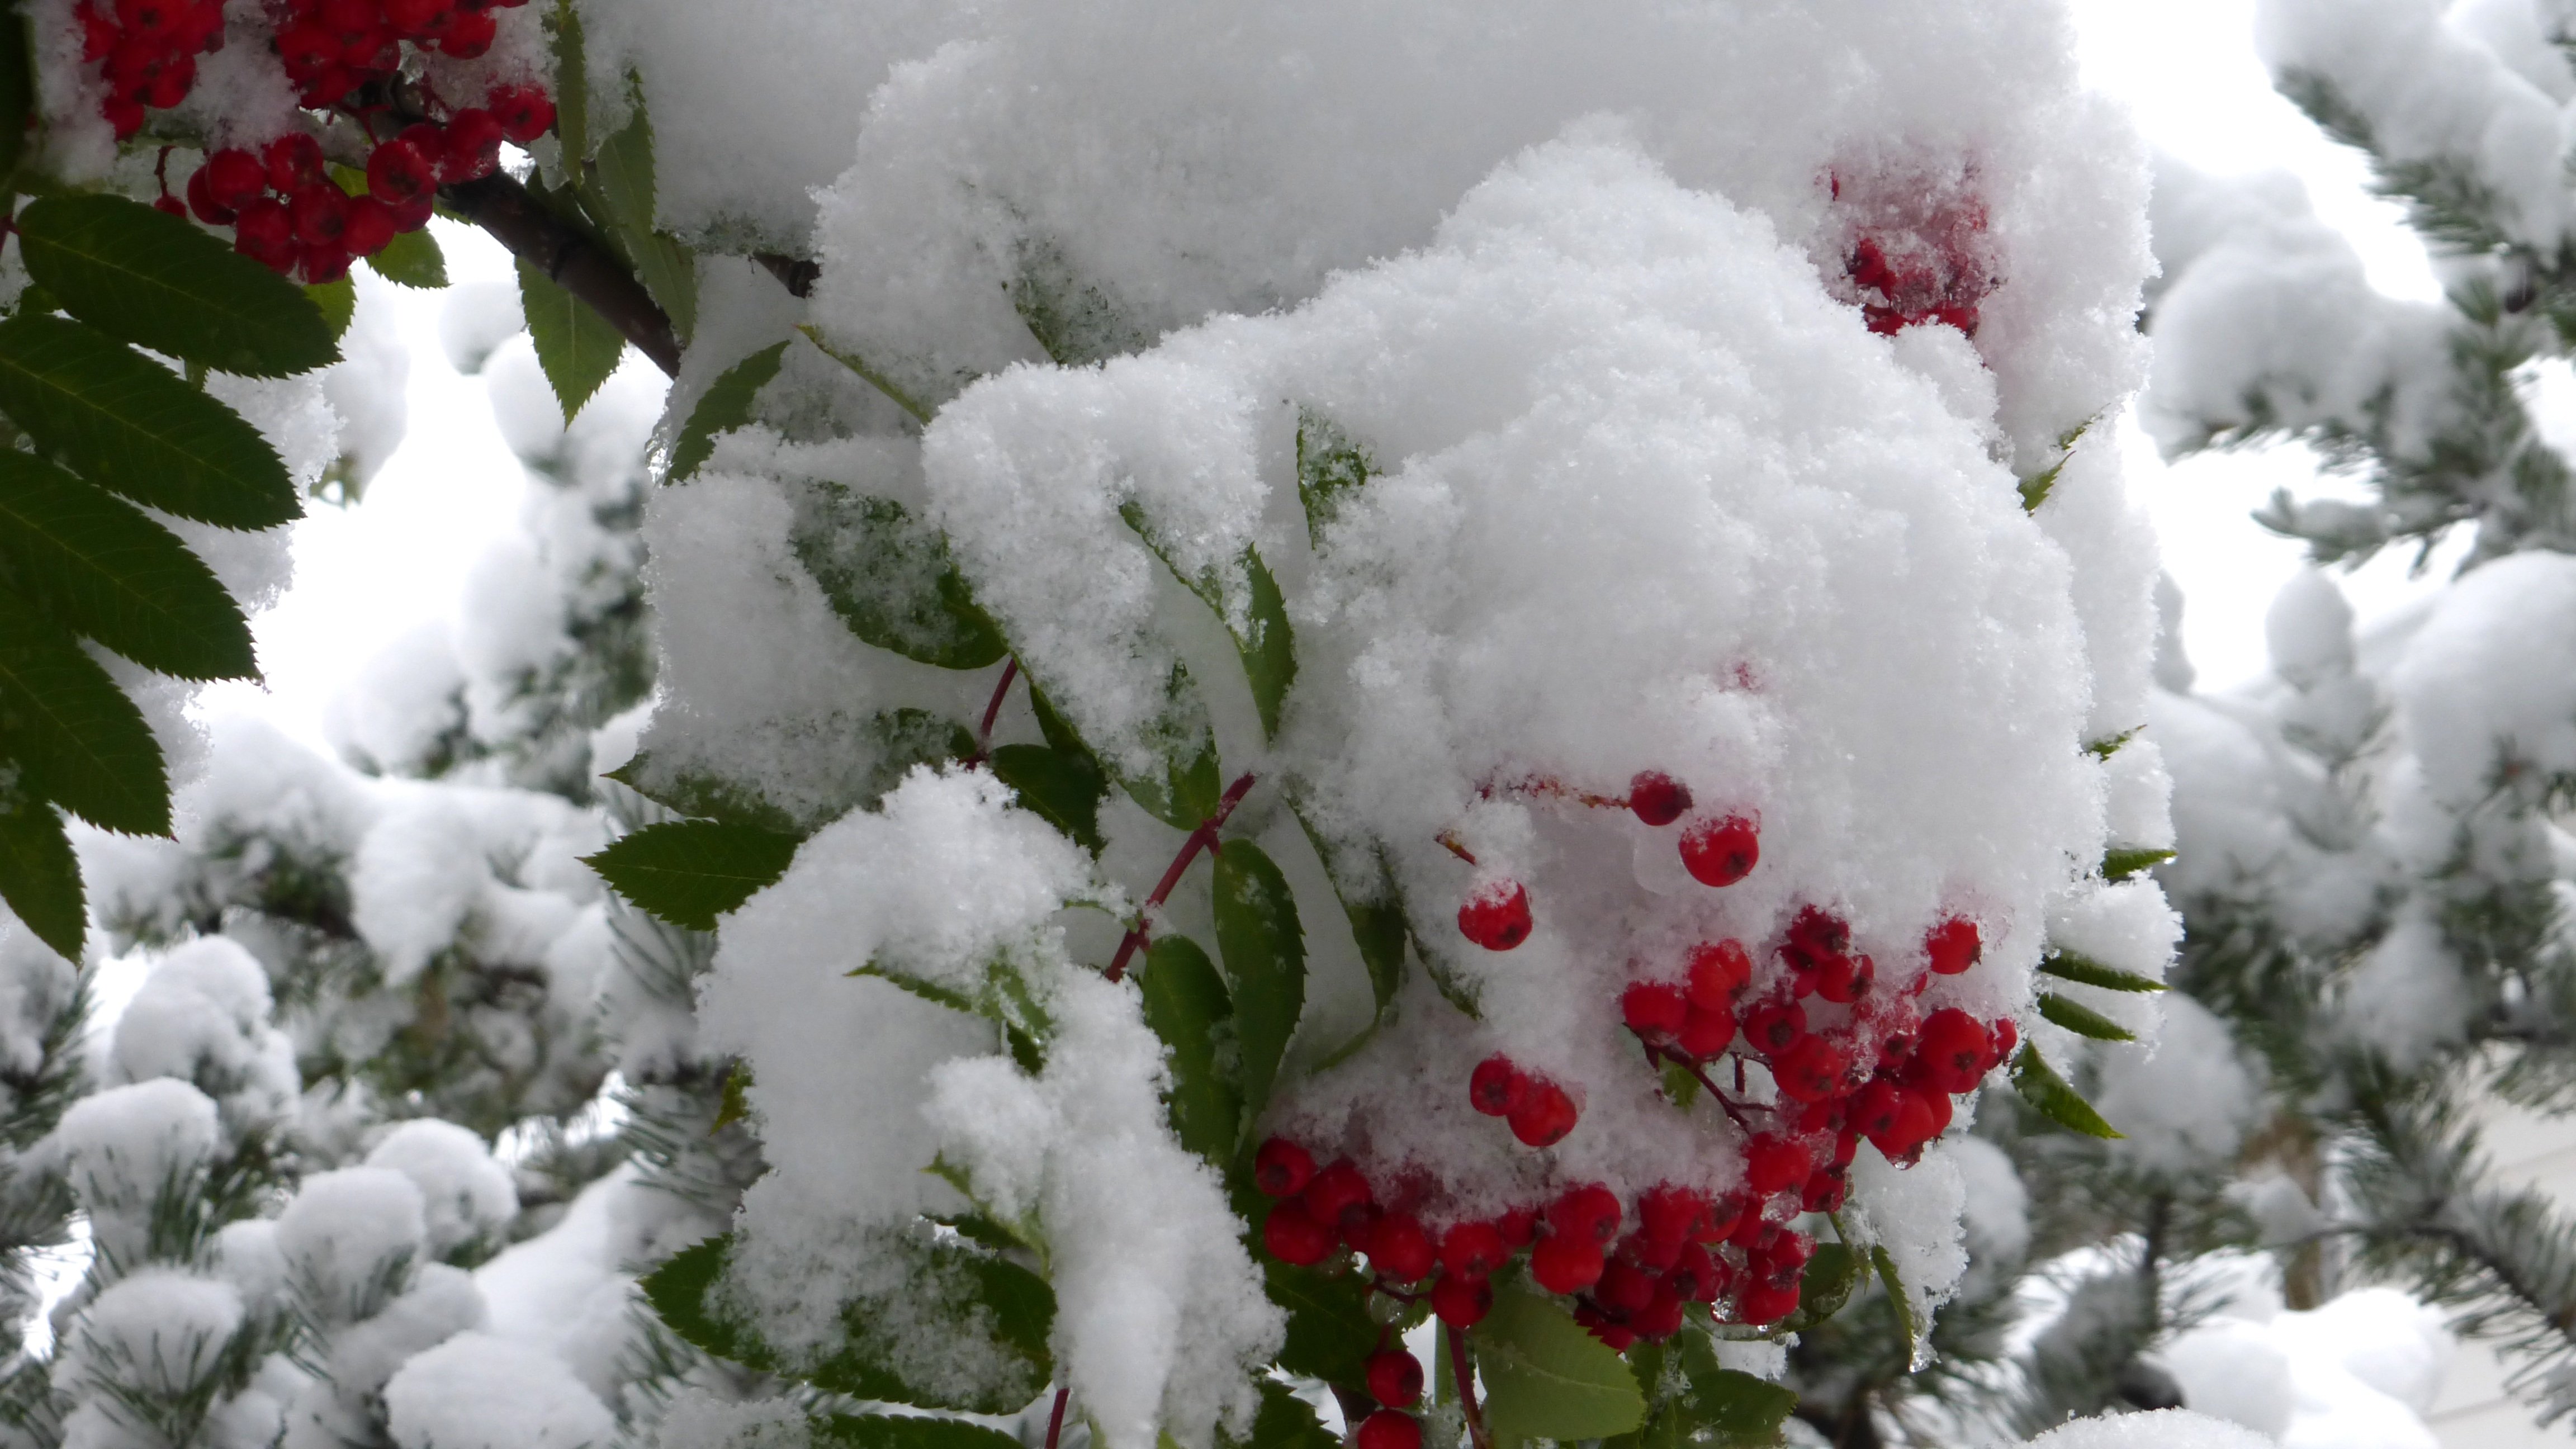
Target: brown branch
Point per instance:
(797, 274)
(571, 260)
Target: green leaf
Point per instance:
(1330, 1332)
(412, 259)
(1912, 1327)
(337, 301)
(1329, 465)
(2046, 1091)
(867, 373)
(80, 742)
(2105, 749)
(2067, 966)
(572, 85)
(100, 566)
(1546, 1378)
(700, 795)
(905, 1431)
(1831, 1275)
(2122, 864)
(2081, 1019)
(1265, 961)
(1269, 649)
(39, 875)
(1063, 790)
(725, 407)
(735, 1103)
(625, 172)
(2035, 490)
(160, 282)
(1366, 889)
(1075, 323)
(1284, 1421)
(689, 872)
(1187, 781)
(576, 347)
(1735, 1409)
(129, 424)
(1186, 1004)
(890, 579)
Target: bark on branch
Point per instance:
(501, 206)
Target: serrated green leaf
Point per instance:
(1264, 947)
(625, 173)
(725, 407)
(158, 281)
(572, 84)
(2035, 490)
(1826, 1285)
(1186, 782)
(890, 579)
(2048, 1092)
(39, 875)
(1911, 1326)
(100, 566)
(2106, 748)
(129, 424)
(2085, 971)
(1735, 1410)
(412, 259)
(1185, 1003)
(1284, 1421)
(1269, 647)
(337, 301)
(1546, 1378)
(79, 741)
(735, 1103)
(2122, 864)
(867, 373)
(2081, 1019)
(689, 872)
(1329, 465)
(906, 1431)
(1061, 789)
(1330, 1332)
(576, 348)
(700, 795)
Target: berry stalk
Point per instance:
(1203, 838)
(1464, 1371)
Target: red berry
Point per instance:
(1819, 933)
(468, 35)
(1812, 1069)
(1669, 1214)
(1773, 1026)
(171, 82)
(125, 116)
(266, 234)
(1399, 1249)
(1387, 1429)
(1845, 979)
(1953, 945)
(2007, 1036)
(1825, 1190)
(398, 172)
(1282, 1168)
(98, 32)
(473, 149)
(202, 202)
(418, 18)
(1462, 1302)
(1661, 1317)
(1624, 1288)
(1545, 1117)
(1766, 1303)
(319, 264)
(1952, 1050)
(1648, 1252)
(1395, 1378)
(1658, 798)
(1336, 1193)
(1774, 1163)
(1723, 851)
(1654, 1011)
(370, 227)
(1562, 1263)
(292, 160)
(1497, 1088)
(1496, 916)
(1875, 1109)
(1937, 1104)
(411, 215)
(1472, 1250)
(233, 177)
(321, 213)
(1912, 1127)
(1718, 970)
(1588, 1210)
(524, 112)
(1293, 1236)
(1697, 1275)
(171, 205)
(152, 19)
(1519, 1227)
(1705, 1033)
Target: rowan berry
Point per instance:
(265, 233)
(1399, 1249)
(1282, 1168)
(1543, 1119)
(1655, 1254)
(1462, 1302)
(523, 111)
(371, 227)
(169, 85)
(1876, 1107)
(1723, 851)
(170, 205)
(124, 116)
(292, 160)
(1395, 1378)
(2007, 1036)
(1819, 932)
(1669, 1214)
(1624, 1288)
(1518, 1227)
(1292, 1235)
(1772, 1164)
(1496, 915)
(1336, 1193)
(1654, 1011)
(1953, 946)
(1812, 1068)
(1614, 1336)
(320, 264)
(1826, 1187)
(1952, 1051)
(1718, 970)
(233, 178)
(1845, 979)
(99, 33)
(1705, 1033)
(321, 214)
(1762, 1303)
(1472, 1250)
(1774, 1026)
(418, 18)
(1698, 1275)
(473, 147)
(1911, 1128)
(1661, 1317)
(202, 202)
(1658, 798)
(151, 19)
(1387, 1429)
(1564, 1263)
(469, 34)
(1587, 1210)
(1496, 1087)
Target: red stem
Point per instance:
(1465, 1373)
(993, 711)
(1055, 1420)
(1203, 838)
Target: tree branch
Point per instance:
(571, 260)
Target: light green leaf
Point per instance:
(2122, 864)
(1264, 947)
(572, 85)
(1546, 1378)
(337, 301)
(625, 172)
(39, 876)
(98, 565)
(79, 741)
(576, 347)
(158, 281)
(1268, 647)
(689, 872)
(2081, 1019)
(129, 424)
(890, 579)
(412, 259)
(2068, 966)
(1062, 789)
(1329, 465)
(2048, 1092)
(725, 407)
(1185, 1003)
(734, 1103)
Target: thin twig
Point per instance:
(1055, 1420)
(993, 711)
(1465, 1373)
(1200, 839)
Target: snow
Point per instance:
(202, 1016)
(2487, 687)
(2359, 1372)
(476, 1391)
(349, 1240)
(123, 1150)
(2163, 1429)
(465, 1195)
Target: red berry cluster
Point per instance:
(1920, 254)
(1394, 1380)
(333, 47)
(146, 51)
(1717, 851)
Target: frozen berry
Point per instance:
(1395, 1378)
(1773, 1163)
(1282, 1168)
(473, 147)
(1705, 1033)
(1337, 1192)
(1496, 916)
(1387, 1429)
(398, 172)
(523, 111)
(1825, 1190)
(1497, 1088)
(1562, 1263)
(1293, 1236)
(1658, 798)
(1399, 1250)
(1588, 1210)
(1951, 1050)
(1472, 1250)
(1718, 970)
(293, 160)
(1462, 1302)
(1774, 1026)
(1763, 1303)
(1953, 945)
(1654, 1011)
(1723, 851)
(1543, 1119)
(1819, 932)
(1812, 1069)
(1845, 979)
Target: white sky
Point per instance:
(2186, 68)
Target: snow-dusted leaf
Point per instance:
(129, 424)
(1264, 947)
(1185, 1003)
(689, 872)
(162, 282)
(2068, 966)
(624, 172)
(2081, 1019)
(2045, 1090)
(1330, 1331)
(1060, 788)
(1075, 323)
(79, 741)
(1329, 465)
(1831, 1275)
(1726, 1408)
(725, 407)
(39, 876)
(1268, 646)
(904, 1431)
(1366, 889)
(890, 579)
(101, 567)
(1546, 1377)
(2122, 864)
(1906, 1320)
(1284, 1421)
(576, 348)
(1186, 781)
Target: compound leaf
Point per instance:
(161, 282)
(75, 736)
(100, 566)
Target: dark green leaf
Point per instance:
(2122, 864)
(1366, 889)
(890, 579)
(576, 347)
(1329, 465)
(700, 795)
(2081, 1019)
(625, 173)
(81, 743)
(160, 282)
(1912, 1327)
(572, 85)
(1075, 323)
(1330, 1332)
(689, 872)
(1825, 1287)
(2068, 966)
(734, 1105)
(1060, 736)
(39, 876)
(1063, 790)
(1546, 1378)
(412, 259)
(1265, 962)
(127, 423)
(2046, 1091)
(1186, 1005)
(1736, 1410)
(337, 301)
(100, 566)
(1269, 649)
(906, 1431)
(726, 406)
(1284, 1421)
